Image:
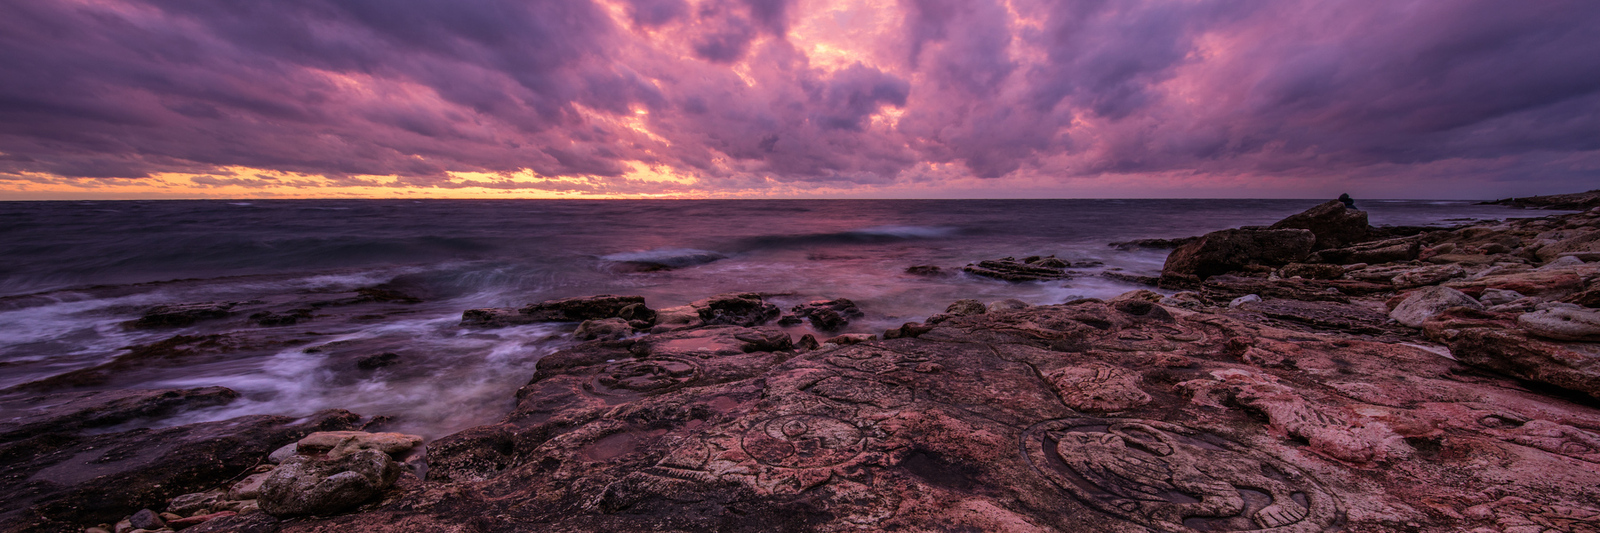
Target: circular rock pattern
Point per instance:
(647, 375)
(803, 441)
(1172, 478)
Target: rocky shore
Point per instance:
(1318, 374)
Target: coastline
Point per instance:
(1309, 375)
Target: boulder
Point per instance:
(335, 443)
(1492, 297)
(1311, 271)
(305, 485)
(1248, 298)
(376, 361)
(1376, 252)
(1429, 301)
(1563, 323)
(248, 488)
(674, 318)
(1016, 271)
(1335, 224)
(1572, 366)
(194, 502)
(1225, 251)
(1008, 304)
(735, 309)
(581, 308)
(927, 271)
(493, 317)
(851, 338)
(604, 329)
(965, 308)
(146, 519)
(828, 315)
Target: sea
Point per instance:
(73, 274)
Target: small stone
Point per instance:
(1008, 304)
(851, 338)
(248, 488)
(180, 522)
(195, 501)
(281, 454)
(1499, 296)
(966, 308)
(1563, 323)
(168, 517)
(337, 443)
(123, 526)
(146, 519)
(1429, 301)
(807, 342)
(603, 329)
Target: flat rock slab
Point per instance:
(1085, 417)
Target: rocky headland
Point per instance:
(1318, 374)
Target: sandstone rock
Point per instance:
(1311, 271)
(1491, 297)
(495, 318)
(1562, 262)
(305, 485)
(475, 454)
(1015, 271)
(966, 308)
(180, 315)
(1008, 304)
(283, 453)
(32, 415)
(1573, 366)
(637, 312)
(850, 338)
(828, 315)
(1098, 388)
(239, 523)
(182, 523)
(674, 318)
(335, 443)
(930, 271)
(1427, 276)
(193, 502)
(1384, 251)
(1248, 298)
(1156, 244)
(1184, 299)
(736, 309)
(1220, 252)
(1148, 296)
(248, 488)
(604, 329)
(581, 308)
(1334, 224)
(1562, 323)
(1429, 301)
(1577, 241)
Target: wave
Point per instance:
(666, 257)
(869, 235)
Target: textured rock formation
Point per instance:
(1225, 251)
(1335, 224)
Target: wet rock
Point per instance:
(828, 315)
(1154, 244)
(473, 455)
(929, 271)
(1225, 251)
(306, 485)
(1311, 271)
(1334, 224)
(1008, 304)
(337, 443)
(1135, 279)
(1429, 301)
(1015, 271)
(637, 312)
(274, 319)
(32, 415)
(1563, 323)
(146, 519)
(606, 329)
(966, 308)
(675, 318)
(382, 360)
(736, 309)
(581, 308)
(850, 338)
(181, 315)
(495, 318)
(807, 342)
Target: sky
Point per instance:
(798, 98)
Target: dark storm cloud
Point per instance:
(726, 90)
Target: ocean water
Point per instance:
(74, 273)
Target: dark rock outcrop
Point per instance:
(180, 315)
(1335, 224)
(306, 485)
(563, 310)
(1221, 252)
(1009, 269)
(828, 315)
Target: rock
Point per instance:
(1015, 271)
(1334, 224)
(96, 530)
(193, 502)
(851, 338)
(1587, 298)
(239, 523)
(1580, 241)
(72, 411)
(637, 312)
(581, 308)
(1098, 388)
(1427, 276)
(181, 315)
(1185, 300)
(283, 453)
(1135, 279)
(248, 488)
(1051, 262)
(1156, 244)
(907, 330)
(966, 308)
(1572, 366)
(304, 485)
(336, 443)
(675, 318)
(495, 318)
(1225, 251)
(146, 519)
(1311, 271)
(1008, 304)
(604, 329)
(1243, 300)
(828, 315)
(1562, 262)
(1563, 323)
(1376, 252)
(807, 342)
(374, 362)
(1491, 297)
(273, 319)
(736, 309)
(1141, 294)
(1429, 301)
(929, 271)
(1574, 201)
(183, 523)
(473, 455)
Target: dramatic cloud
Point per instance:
(797, 97)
